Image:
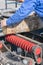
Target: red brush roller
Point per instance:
(24, 44)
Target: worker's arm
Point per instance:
(26, 8)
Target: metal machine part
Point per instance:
(17, 58)
(26, 45)
(9, 59)
(33, 48)
(12, 59)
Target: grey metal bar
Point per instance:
(34, 41)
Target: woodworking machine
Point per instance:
(25, 48)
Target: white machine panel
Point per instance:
(2, 4)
